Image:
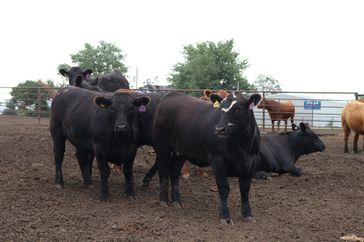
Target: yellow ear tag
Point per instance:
(216, 104)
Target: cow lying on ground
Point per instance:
(352, 119)
(101, 125)
(279, 111)
(107, 83)
(227, 139)
(279, 152)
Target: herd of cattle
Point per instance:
(105, 120)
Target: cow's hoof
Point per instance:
(89, 186)
(163, 204)
(144, 184)
(176, 204)
(226, 221)
(249, 219)
(131, 198)
(59, 186)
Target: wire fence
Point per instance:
(319, 109)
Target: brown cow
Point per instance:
(279, 111)
(352, 118)
(185, 172)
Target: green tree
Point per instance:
(30, 97)
(101, 59)
(210, 65)
(266, 84)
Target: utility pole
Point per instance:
(136, 78)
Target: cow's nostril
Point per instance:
(121, 128)
(220, 130)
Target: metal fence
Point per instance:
(319, 109)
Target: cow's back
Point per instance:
(353, 116)
(182, 120)
(113, 81)
(73, 110)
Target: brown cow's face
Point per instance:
(264, 103)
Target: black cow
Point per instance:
(279, 152)
(104, 125)
(107, 83)
(226, 138)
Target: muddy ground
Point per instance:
(326, 202)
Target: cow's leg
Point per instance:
(104, 170)
(84, 160)
(177, 163)
(244, 185)
(295, 171)
(223, 187)
(278, 124)
(285, 125)
(128, 174)
(148, 177)
(356, 138)
(346, 138)
(185, 172)
(272, 126)
(163, 157)
(58, 152)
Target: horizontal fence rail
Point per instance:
(318, 109)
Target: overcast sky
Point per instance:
(308, 45)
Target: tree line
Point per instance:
(205, 65)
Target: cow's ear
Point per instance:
(63, 72)
(141, 101)
(87, 74)
(295, 127)
(254, 100)
(207, 93)
(215, 98)
(102, 102)
(303, 127)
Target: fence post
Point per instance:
(39, 103)
(263, 112)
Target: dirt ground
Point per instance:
(325, 203)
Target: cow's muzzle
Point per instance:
(220, 131)
(121, 128)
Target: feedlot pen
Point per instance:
(325, 203)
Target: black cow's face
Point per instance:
(311, 142)
(123, 107)
(236, 113)
(76, 75)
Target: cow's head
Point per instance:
(123, 107)
(237, 115)
(266, 103)
(76, 75)
(311, 142)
